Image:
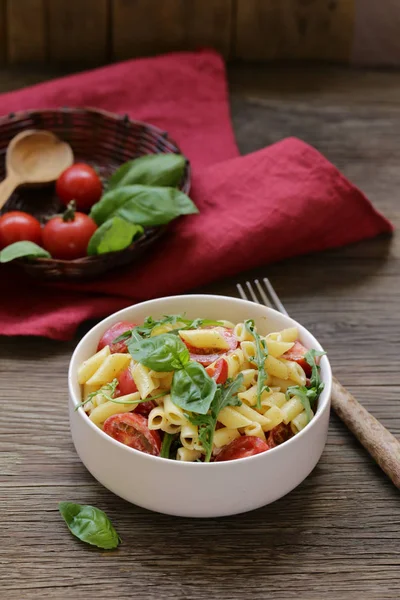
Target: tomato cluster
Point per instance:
(63, 236)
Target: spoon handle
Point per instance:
(7, 186)
(376, 439)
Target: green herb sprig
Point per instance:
(259, 359)
(309, 395)
(225, 395)
(107, 391)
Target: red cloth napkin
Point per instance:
(284, 200)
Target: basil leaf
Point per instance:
(143, 205)
(89, 524)
(226, 395)
(153, 169)
(192, 388)
(22, 250)
(164, 352)
(115, 234)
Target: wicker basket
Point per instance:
(103, 140)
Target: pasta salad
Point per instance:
(200, 390)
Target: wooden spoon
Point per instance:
(34, 157)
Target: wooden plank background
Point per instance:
(97, 31)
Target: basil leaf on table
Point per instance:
(22, 250)
(115, 234)
(143, 205)
(192, 388)
(153, 169)
(89, 524)
(161, 353)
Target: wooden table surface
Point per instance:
(337, 535)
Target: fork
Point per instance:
(376, 439)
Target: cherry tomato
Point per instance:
(16, 226)
(279, 434)
(218, 371)
(108, 337)
(67, 237)
(206, 356)
(126, 384)
(132, 430)
(80, 183)
(242, 447)
(145, 408)
(296, 354)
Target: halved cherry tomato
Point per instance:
(206, 356)
(132, 430)
(219, 370)
(296, 354)
(81, 183)
(108, 337)
(242, 447)
(279, 434)
(126, 384)
(67, 237)
(145, 408)
(17, 226)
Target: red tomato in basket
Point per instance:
(81, 183)
(296, 354)
(108, 337)
(132, 430)
(67, 237)
(218, 371)
(206, 356)
(242, 447)
(18, 226)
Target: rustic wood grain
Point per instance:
(294, 29)
(78, 31)
(26, 31)
(337, 535)
(145, 27)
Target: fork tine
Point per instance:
(263, 295)
(275, 297)
(252, 293)
(241, 291)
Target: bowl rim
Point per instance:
(323, 401)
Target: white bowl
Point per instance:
(198, 489)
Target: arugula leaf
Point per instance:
(89, 524)
(166, 444)
(259, 359)
(153, 169)
(315, 379)
(149, 324)
(192, 388)
(305, 395)
(22, 250)
(107, 391)
(143, 205)
(226, 395)
(114, 235)
(164, 352)
(309, 395)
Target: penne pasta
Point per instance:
(185, 405)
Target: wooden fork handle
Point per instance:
(376, 439)
(7, 186)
